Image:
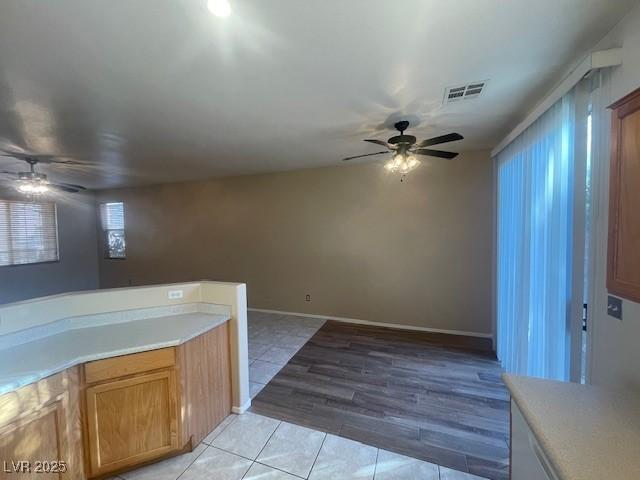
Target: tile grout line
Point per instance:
(206, 445)
(253, 461)
(221, 431)
(317, 454)
(375, 466)
(268, 439)
(197, 457)
(248, 469)
(279, 469)
(234, 454)
(263, 447)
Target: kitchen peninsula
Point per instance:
(121, 378)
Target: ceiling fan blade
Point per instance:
(39, 158)
(450, 137)
(57, 160)
(435, 153)
(383, 143)
(64, 188)
(25, 156)
(10, 174)
(365, 155)
(71, 185)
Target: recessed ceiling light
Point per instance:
(220, 8)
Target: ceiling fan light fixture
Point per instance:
(33, 187)
(32, 182)
(402, 164)
(393, 164)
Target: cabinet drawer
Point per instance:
(116, 367)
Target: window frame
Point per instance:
(106, 251)
(56, 226)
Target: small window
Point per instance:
(113, 226)
(28, 232)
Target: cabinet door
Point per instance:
(40, 430)
(623, 272)
(131, 421)
(37, 437)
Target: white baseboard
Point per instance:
(242, 409)
(378, 324)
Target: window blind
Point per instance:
(535, 229)
(112, 215)
(28, 232)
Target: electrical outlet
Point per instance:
(308, 298)
(175, 294)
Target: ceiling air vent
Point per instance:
(464, 92)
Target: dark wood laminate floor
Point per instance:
(431, 396)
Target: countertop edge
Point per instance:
(533, 425)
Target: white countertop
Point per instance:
(32, 361)
(586, 432)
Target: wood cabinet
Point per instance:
(113, 415)
(205, 383)
(131, 421)
(623, 266)
(154, 404)
(41, 423)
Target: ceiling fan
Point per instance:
(36, 183)
(405, 149)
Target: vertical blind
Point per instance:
(28, 232)
(535, 200)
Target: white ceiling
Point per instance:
(149, 91)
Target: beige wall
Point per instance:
(360, 242)
(614, 352)
(77, 246)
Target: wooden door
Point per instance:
(623, 269)
(131, 421)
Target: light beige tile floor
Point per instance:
(254, 447)
(343, 458)
(247, 435)
(293, 449)
(273, 339)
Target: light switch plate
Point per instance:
(175, 294)
(614, 307)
